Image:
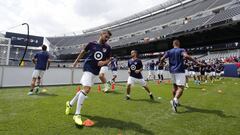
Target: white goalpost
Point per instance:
(4, 50)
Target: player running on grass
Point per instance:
(176, 67)
(42, 62)
(97, 55)
(114, 67)
(135, 68)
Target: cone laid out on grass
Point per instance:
(220, 91)
(88, 123)
(203, 89)
(99, 88)
(78, 88)
(113, 86)
(44, 90)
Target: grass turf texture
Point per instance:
(203, 112)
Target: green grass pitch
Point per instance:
(208, 112)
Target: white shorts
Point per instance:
(151, 72)
(207, 73)
(38, 73)
(179, 79)
(218, 74)
(187, 73)
(114, 73)
(191, 73)
(132, 81)
(103, 70)
(160, 72)
(197, 73)
(222, 72)
(88, 79)
(213, 74)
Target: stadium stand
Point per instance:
(172, 17)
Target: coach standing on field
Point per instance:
(41, 61)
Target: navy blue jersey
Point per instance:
(152, 65)
(42, 60)
(95, 52)
(212, 68)
(208, 68)
(203, 70)
(134, 65)
(114, 64)
(196, 68)
(176, 62)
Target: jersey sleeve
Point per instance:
(36, 55)
(166, 55)
(183, 51)
(88, 47)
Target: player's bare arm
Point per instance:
(81, 54)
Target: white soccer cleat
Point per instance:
(30, 93)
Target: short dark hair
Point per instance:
(108, 31)
(44, 47)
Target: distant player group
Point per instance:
(98, 56)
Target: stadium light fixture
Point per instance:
(25, 50)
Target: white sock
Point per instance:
(175, 100)
(128, 95)
(74, 99)
(150, 93)
(81, 98)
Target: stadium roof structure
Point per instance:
(173, 18)
(146, 13)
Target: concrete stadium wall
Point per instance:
(21, 76)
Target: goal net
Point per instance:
(4, 51)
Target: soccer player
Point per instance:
(176, 67)
(114, 68)
(151, 70)
(207, 72)
(42, 62)
(213, 72)
(98, 54)
(160, 69)
(202, 71)
(135, 68)
(197, 74)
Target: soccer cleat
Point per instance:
(77, 119)
(30, 93)
(128, 98)
(37, 91)
(68, 108)
(174, 105)
(151, 97)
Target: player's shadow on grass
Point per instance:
(144, 100)
(216, 112)
(47, 94)
(102, 122)
(114, 92)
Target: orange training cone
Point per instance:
(78, 88)
(113, 86)
(88, 123)
(99, 88)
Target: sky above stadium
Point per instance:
(59, 17)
